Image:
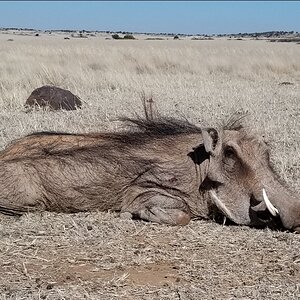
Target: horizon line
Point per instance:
(154, 33)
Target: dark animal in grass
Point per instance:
(54, 98)
(161, 170)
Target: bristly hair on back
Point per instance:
(152, 123)
(161, 127)
(235, 121)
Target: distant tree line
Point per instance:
(130, 35)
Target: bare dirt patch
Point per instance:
(64, 272)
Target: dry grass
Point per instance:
(100, 256)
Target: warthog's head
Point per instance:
(241, 183)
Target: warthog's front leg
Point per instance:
(159, 209)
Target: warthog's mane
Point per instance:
(156, 128)
(52, 133)
(235, 122)
(138, 131)
(162, 126)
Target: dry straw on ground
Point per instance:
(99, 255)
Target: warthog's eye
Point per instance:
(229, 152)
(230, 159)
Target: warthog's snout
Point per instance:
(284, 205)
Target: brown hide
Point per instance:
(165, 171)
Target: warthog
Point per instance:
(53, 97)
(165, 171)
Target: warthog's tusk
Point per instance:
(221, 206)
(272, 209)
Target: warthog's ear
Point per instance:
(210, 139)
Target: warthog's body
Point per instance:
(167, 172)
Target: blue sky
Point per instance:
(204, 17)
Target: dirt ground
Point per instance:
(101, 256)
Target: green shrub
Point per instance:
(115, 36)
(128, 37)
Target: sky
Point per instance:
(190, 17)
